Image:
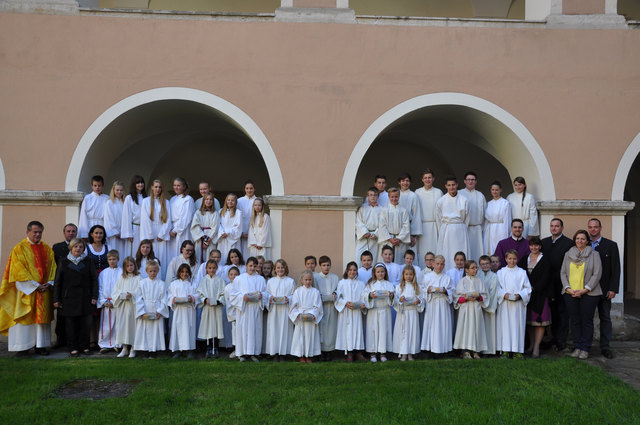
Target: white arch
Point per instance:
(624, 168)
(547, 187)
(175, 93)
(3, 182)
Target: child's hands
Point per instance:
(373, 295)
(349, 305)
(208, 301)
(128, 296)
(402, 298)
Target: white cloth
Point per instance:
(205, 225)
(367, 219)
(477, 206)
(91, 213)
(428, 241)
(378, 338)
(455, 275)
(490, 281)
(151, 297)
(232, 226)
(306, 334)
(130, 225)
(394, 222)
(406, 332)
(153, 229)
(525, 211)
(350, 335)
(261, 236)
(512, 315)
(125, 308)
(452, 217)
(249, 314)
(113, 226)
(24, 337)
(245, 205)
(229, 312)
(364, 275)
(175, 263)
(225, 270)
(470, 330)
(181, 216)
(107, 281)
(497, 224)
(327, 285)
(409, 200)
(394, 272)
(279, 327)
(437, 332)
(211, 324)
(182, 334)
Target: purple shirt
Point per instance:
(522, 246)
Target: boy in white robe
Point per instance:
(394, 270)
(151, 312)
(377, 297)
(204, 229)
(211, 300)
(230, 293)
(306, 313)
(350, 336)
(394, 227)
(182, 298)
(367, 219)
(364, 272)
(477, 206)
(490, 281)
(437, 331)
(409, 200)
(469, 298)
(452, 217)
(327, 284)
(408, 303)
(181, 205)
(124, 301)
(92, 209)
(514, 291)
(457, 272)
(427, 197)
(107, 281)
(279, 328)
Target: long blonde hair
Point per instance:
(414, 282)
(224, 209)
(164, 214)
(112, 194)
(253, 213)
(213, 206)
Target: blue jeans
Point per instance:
(581, 311)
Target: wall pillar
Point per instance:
(53, 7)
(333, 11)
(581, 14)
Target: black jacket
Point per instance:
(610, 257)
(555, 253)
(75, 286)
(60, 251)
(540, 279)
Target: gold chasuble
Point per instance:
(27, 262)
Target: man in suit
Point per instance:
(609, 281)
(60, 251)
(555, 246)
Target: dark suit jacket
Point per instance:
(610, 257)
(555, 252)
(60, 250)
(540, 281)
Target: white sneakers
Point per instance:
(124, 352)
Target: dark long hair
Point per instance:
(132, 188)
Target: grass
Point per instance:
(489, 391)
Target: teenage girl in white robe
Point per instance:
(377, 297)
(350, 336)
(245, 205)
(204, 228)
(187, 256)
(124, 302)
(155, 223)
(259, 238)
(437, 332)
(182, 298)
(143, 255)
(306, 312)
(113, 218)
(497, 220)
(279, 328)
(181, 205)
(469, 298)
(408, 303)
(523, 206)
(230, 229)
(130, 226)
(151, 311)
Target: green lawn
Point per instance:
(488, 391)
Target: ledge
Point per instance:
(585, 207)
(40, 197)
(314, 202)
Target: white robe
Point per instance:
(497, 224)
(260, 235)
(211, 324)
(367, 219)
(181, 216)
(232, 226)
(151, 297)
(229, 313)
(394, 222)
(182, 335)
(470, 330)
(406, 332)
(512, 315)
(225, 270)
(350, 335)
(378, 338)
(205, 225)
(477, 206)
(130, 226)
(245, 205)
(107, 332)
(279, 327)
(428, 241)
(249, 314)
(527, 212)
(409, 200)
(490, 281)
(327, 285)
(91, 213)
(125, 309)
(113, 225)
(154, 229)
(452, 216)
(175, 263)
(437, 332)
(394, 272)
(364, 275)
(306, 334)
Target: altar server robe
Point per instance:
(394, 222)
(151, 297)
(106, 283)
(261, 236)
(437, 331)
(406, 332)
(205, 225)
(327, 285)
(211, 325)
(409, 200)
(378, 338)
(130, 226)
(182, 334)
(525, 211)
(153, 229)
(249, 321)
(470, 331)
(477, 207)
(279, 327)
(245, 205)
(181, 216)
(232, 226)
(91, 213)
(490, 280)
(350, 335)
(367, 219)
(497, 225)
(511, 315)
(113, 225)
(428, 241)
(452, 216)
(125, 309)
(306, 334)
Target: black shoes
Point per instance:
(607, 353)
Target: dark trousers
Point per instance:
(606, 330)
(78, 331)
(559, 322)
(581, 311)
(61, 324)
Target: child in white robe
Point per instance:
(408, 303)
(124, 302)
(514, 291)
(327, 283)
(182, 298)
(394, 227)
(394, 271)
(113, 217)
(155, 224)
(377, 297)
(469, 298)
(350, 336)
(211, 292)
(151, 311)
(306, 312)
(130, 225)
(230, 311)
(245, 206)
(457, 272)
(187, 256)
(181, 205)
(234, 259)
(364, 272)
(497, 220)
(409, 257)
(367, 219)
(230, 229)
(437, 332)
(107, 280)
(490, 281)
(259, 237)
(145, 254)
(279, 327)
(92, 209)
(204, 228)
